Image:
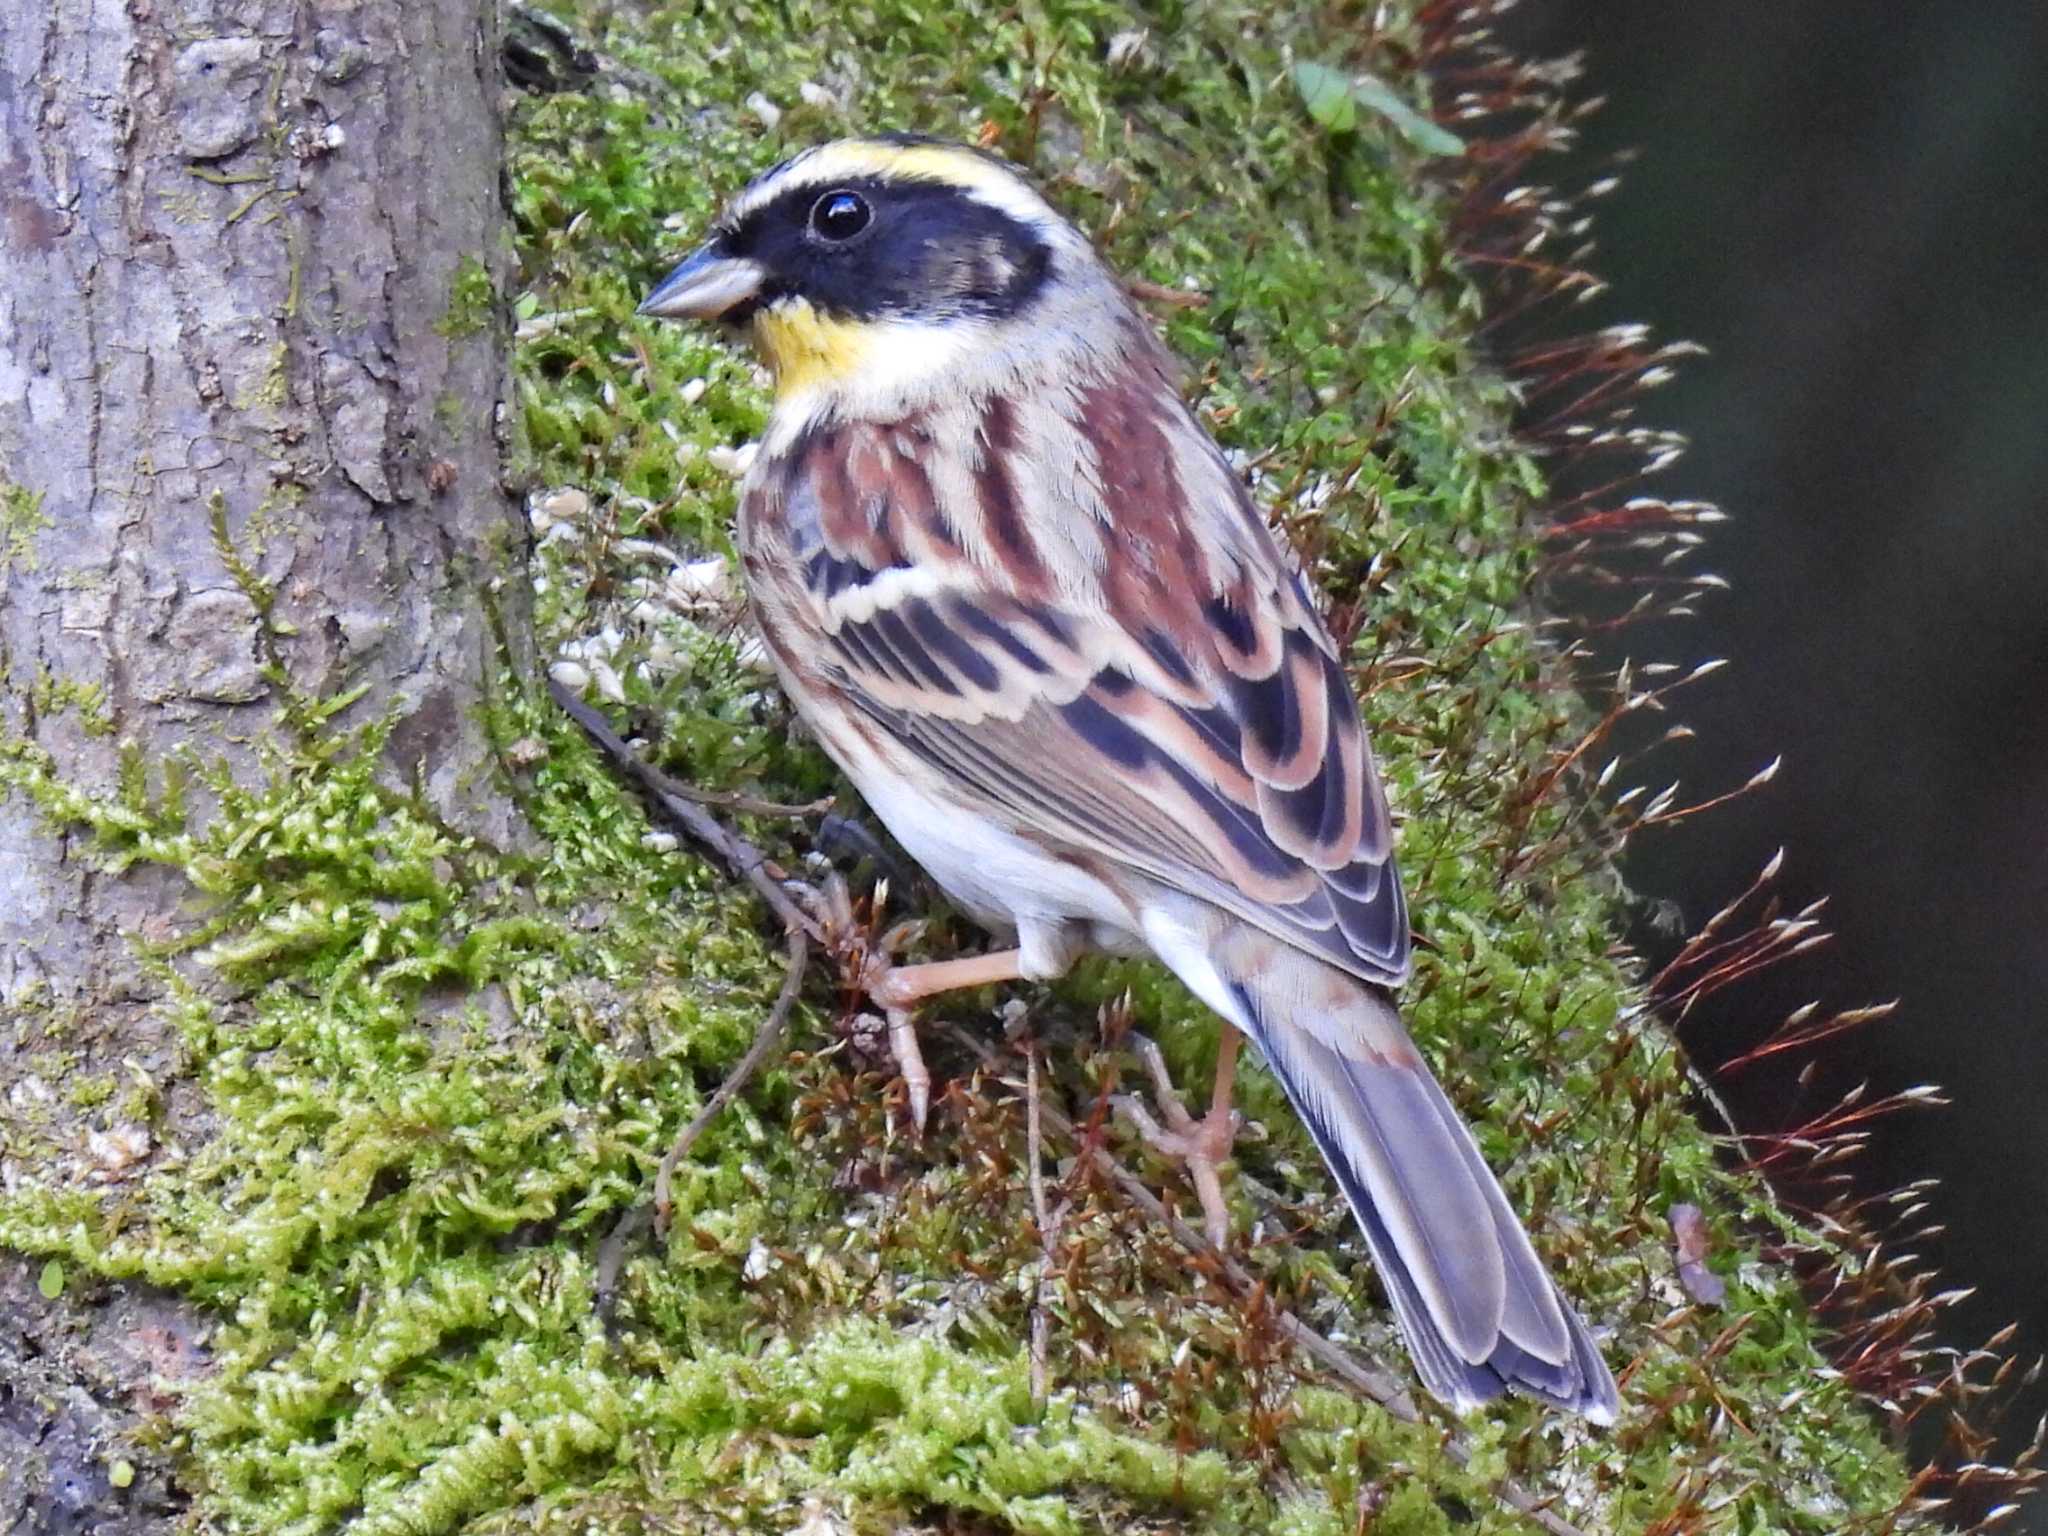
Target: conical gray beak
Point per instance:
(705, 286)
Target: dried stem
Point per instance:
(1365, 1376)
(766, 1038)
(1034, 1142)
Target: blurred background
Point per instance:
(1848, 205)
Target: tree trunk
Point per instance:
(248, 281)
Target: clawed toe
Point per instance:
(890, 990)
(1201, 1146)
(867, 965)
(867, 962)
(917, 1079)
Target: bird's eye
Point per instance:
(840, 215)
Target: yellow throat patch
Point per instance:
(805, 349)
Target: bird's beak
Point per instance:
(706, 286)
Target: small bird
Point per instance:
(1029, 609)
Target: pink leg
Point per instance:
(896, 989)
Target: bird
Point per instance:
(1024, 602)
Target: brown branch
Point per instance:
(680, 803)
(1363, 1375)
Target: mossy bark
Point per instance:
(236, 234)
(235, 293)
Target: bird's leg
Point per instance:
(896, 989)
(867, 961)
(1201, 1145)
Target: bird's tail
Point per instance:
(1478, 1310)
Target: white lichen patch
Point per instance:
(116, 1151)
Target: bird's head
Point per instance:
(883, 265)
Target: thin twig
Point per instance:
(678, 802)
(1367, 1377)
(611, 1257)
(681, 804)
(748, 805)
(766, 1038)
(1034, 1142)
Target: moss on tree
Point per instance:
(22, 522)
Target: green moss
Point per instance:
(470, 297)
(22, 519)
(268, 389)
(91, 1090)
(450, 411)
(50, 694)
(440, 1072)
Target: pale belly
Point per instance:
(1056, 909)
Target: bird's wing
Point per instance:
(1080, 625)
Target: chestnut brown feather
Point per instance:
(1267, 762)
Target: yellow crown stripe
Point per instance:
(850, 158)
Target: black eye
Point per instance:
(840, 215)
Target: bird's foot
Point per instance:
(867, 965)
(866, 954)
(883, 988)
(891, 989)
(1201, 1146)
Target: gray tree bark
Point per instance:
(249, 253)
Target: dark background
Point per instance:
(1848, 204)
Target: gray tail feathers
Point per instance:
(1480, 1314)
